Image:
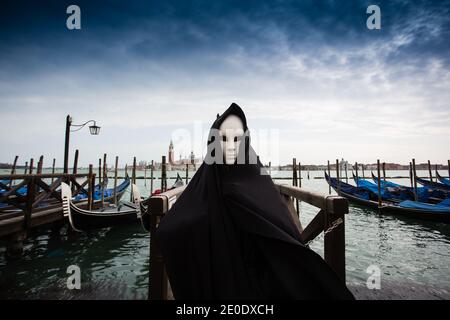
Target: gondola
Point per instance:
(433, 185)
(80, 199)
(83, 194)
(385, 183)
(145, 215)
(81, 219)
(424, 194)
(389, 191)
(442, 179)
(413, 209)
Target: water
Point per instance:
(413, 256)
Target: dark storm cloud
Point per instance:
(296, 65)
(166, 30)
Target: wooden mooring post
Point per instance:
(337, 176)
(294, 172)
(133, 178)
(13, 169)
(133, 172)
(411, 178)
(384, 171)
(53, 167)
(356, 171)
(115, 179)
(379, 184)
(163, 174)
(75, 162)
(31, 166)
(363, 173)
(75, 167)
(100, 173)
(414, 173)
(329, 174)
(346, 173)
(105, 180)
(429, 171)
(299, 174)
(187, 173)
(91, 184)
(40, 165)
(151, 177)
(26, 167)
(145, 174)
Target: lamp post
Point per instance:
(94, 130)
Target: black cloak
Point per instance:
(230, 236)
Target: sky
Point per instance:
(314, 81)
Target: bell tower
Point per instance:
(171, 155)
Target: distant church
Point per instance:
(171, 156)
(172, 162)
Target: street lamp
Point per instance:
(93, 129)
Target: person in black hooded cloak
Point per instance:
(231, 236)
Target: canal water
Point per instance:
(412, 256)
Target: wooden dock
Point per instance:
(40, 203)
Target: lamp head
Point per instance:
(94, 129)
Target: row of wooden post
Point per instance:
(29, 168)
(102, 174)
(296, 181)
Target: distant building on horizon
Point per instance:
(171, 155)
(182, 161)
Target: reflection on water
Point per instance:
(413, 256)
(114, 260)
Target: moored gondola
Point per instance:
(80, 200)
(413, 209)
(424, 194)
(433, 185)
(82, 219)
(442, 179)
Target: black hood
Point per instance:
(214, 149)
(234, 109)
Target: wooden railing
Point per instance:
(39, 204)
(330, 220)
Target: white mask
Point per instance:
(231, 131)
